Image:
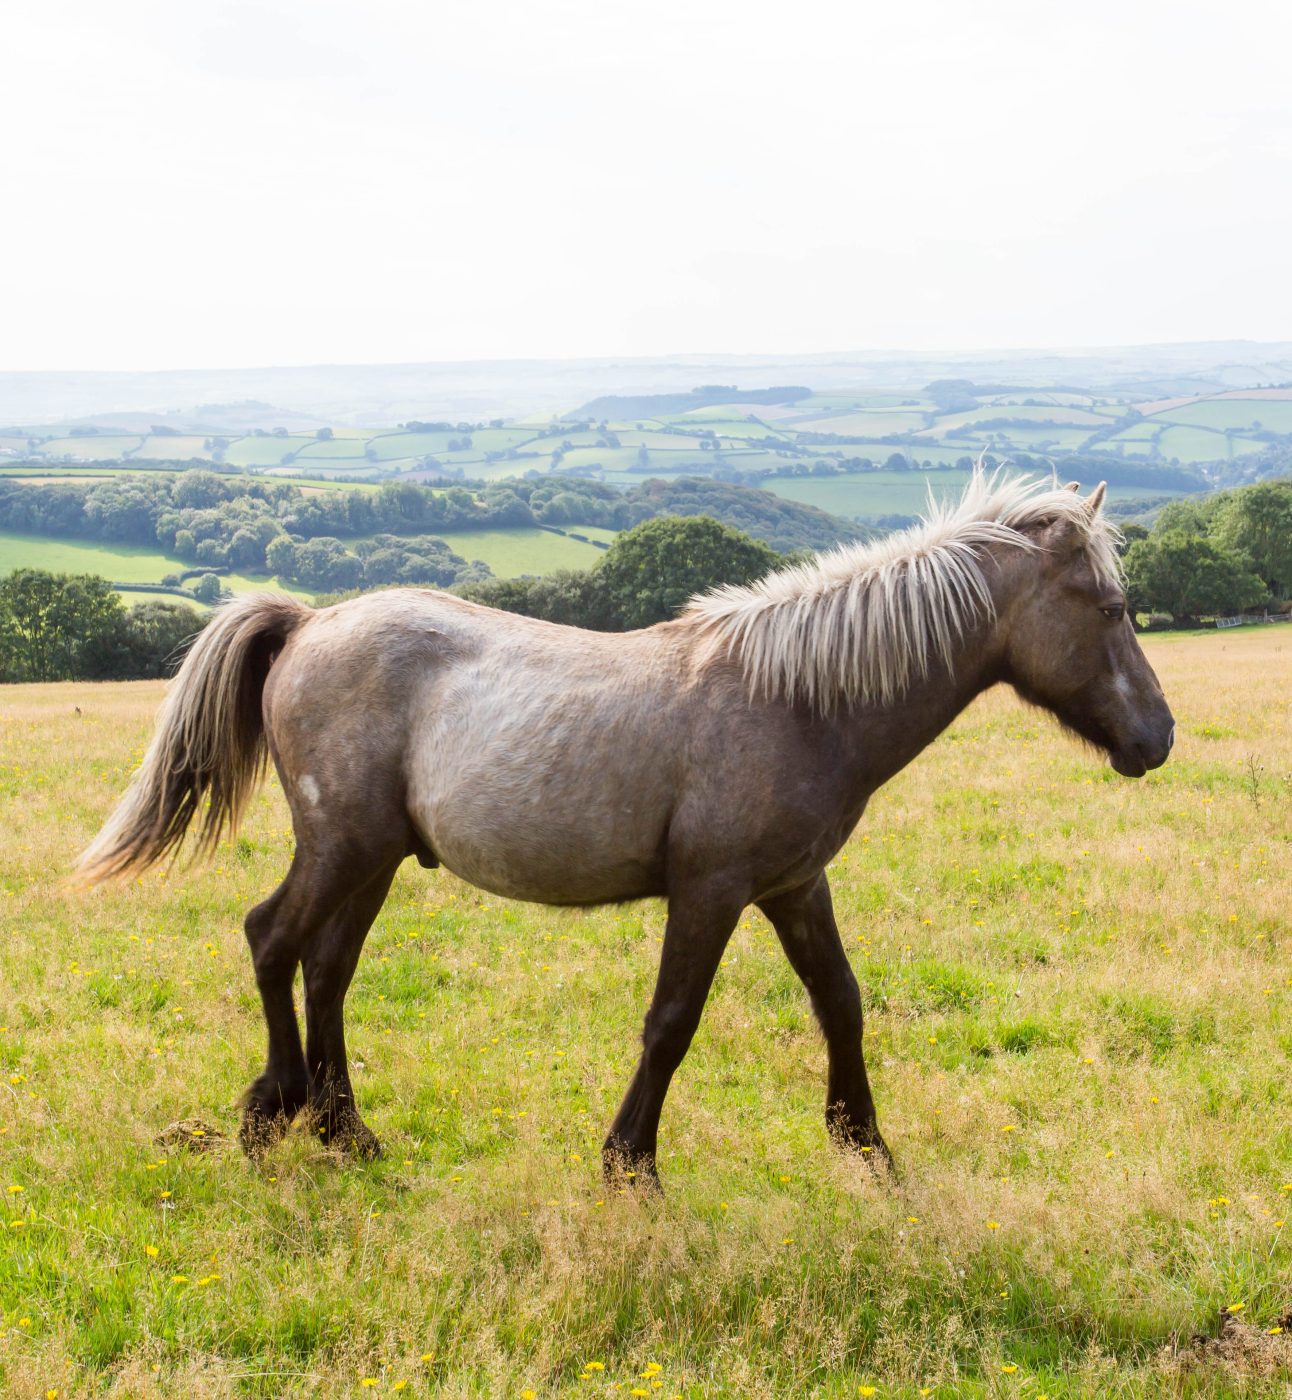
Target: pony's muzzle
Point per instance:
(1146, 751)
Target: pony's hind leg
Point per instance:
(328, 964)
(323, 903)
(804, 923)
(275, 930)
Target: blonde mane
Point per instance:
(861, 623)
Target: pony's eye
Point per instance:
(1114, 613)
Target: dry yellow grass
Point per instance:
(1078, 995)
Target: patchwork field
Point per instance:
(870, 494)
(1078, 992)
(1191, 430)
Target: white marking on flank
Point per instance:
(311, 790)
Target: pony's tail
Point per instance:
(209, 747)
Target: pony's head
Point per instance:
(1069, 644)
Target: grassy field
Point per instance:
(1078, 999)
(522, 551)
(1038, 419)
(895, 493)
(121, 563)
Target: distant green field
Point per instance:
(1144, 431)
(1037, 437)
(263, 451)
(510, 553)
(868, 423)
(393, 445)
(1273, 414)
(162, 448)
(97, 447)
(896, 493)
(1193, 444)
(330, 449)
(731, 427)
(125, 563)
(1047, 413)
(129, 563)
(870, 493)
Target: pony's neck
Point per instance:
(885, 737)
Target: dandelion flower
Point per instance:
(867, 1390)
(1235, 1308)
(1008, 1370)
(151, 1251)
(993, 1224)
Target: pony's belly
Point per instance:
(523, 853)
(547, 878)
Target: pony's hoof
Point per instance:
(348, 1133)
(630, 1170)
(260, 1130)
(865, 1143)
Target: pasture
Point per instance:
(522, 550)
(874, 493)
(120, 563)
(1077, 989)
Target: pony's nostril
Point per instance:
(1170, 740)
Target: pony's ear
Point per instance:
(1073, 486)
(1096, 498)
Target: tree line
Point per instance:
(338, 540)
(75, 627)
(1203, 557)
(1213, 555)
(60, 627)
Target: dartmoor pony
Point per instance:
(717, 760)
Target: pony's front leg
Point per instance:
(804, 922)
(700, 921)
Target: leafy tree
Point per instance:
(207, 589)
(1189, 576)
(147, 643)
(1256, 522)
(47, 621)
(653, 569)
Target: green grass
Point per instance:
(870, 493)
(877, 423)
(523, 550)
(327, 450)
(98, 447)
(1193, 444)
(1077, 994)
(125, 562)
(263, 451)
(162, 448)
(122, 563)
(1273, 414)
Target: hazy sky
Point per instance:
(211, 183)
